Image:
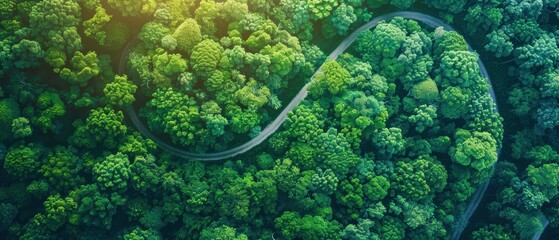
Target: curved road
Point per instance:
(274, 126)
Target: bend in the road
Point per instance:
(274, 126)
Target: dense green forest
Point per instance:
(395, 135)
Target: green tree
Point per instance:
(95, 208)
(188, 35)
(205, 57)
(333, 78)
(58, 211)
(84, 67)
(426, 91)
(423, 117)
(103, 125)
(93, 27)
(21, 128)
(223, 232)
(292, 225)
(55, 22)
(389, 141)
(62, 169)
(22, 161)
(475, 149)
(113, 172)
(121, 91)
(321, 9)
(454, 102)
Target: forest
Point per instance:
(279, 119)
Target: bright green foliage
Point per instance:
(133, 7)
(206, 15)
(58, 211)
(93, 27)
(292, 225)
(152, 33)
(321, 9)
(389, 141)
(447, 41)
(381, 47)
(95, 208)
(8, 213)
(546, 177)
(253, 95)
(493, 232)
(294, 15)
(454, 101)
(121, 91)
(103, 125)
(222, 233)
(281, 58)
(459, 68)
(303, 123)
(84, 67)
(55, 58)
(50, 107)
(335, 152)
(61, 169)
(205, 57)
(215, 122)
(423, 117)
(21, 128)
(425, 91)
(173, 113)
(187, 35)
(166, 66)
(376, 188)
(258, 40)
(113, 172)
(243, 120)
(333, 78)
(410, 180)
(140, 234)
(9, 111)
(22, 161)
(475, 149)
(325, 181)
(161, 67)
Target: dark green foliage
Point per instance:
(22, 161)
(8, 212)
(9, 111)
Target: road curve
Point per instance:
(274, 126)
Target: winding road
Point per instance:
(274, 126)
